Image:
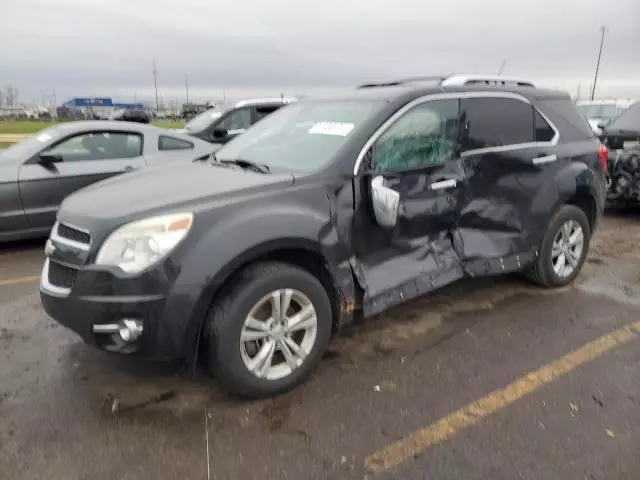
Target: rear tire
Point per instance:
(250, 323)
(563, 250)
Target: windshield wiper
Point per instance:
(248, 164)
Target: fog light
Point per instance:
(130, 329)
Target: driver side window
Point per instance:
(422, 137)
(236, 120)
(98, 146)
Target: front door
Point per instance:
(416, 160)
(83, 159)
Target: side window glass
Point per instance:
(495, 122)
(237, 119)
(263, 111)
(424, 136)
(99, 146)
(544, 132)
(170, 143)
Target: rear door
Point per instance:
(510, 158)
(85, 158)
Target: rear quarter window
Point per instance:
(573, 127)
(172, 143)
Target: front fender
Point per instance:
(237, 240)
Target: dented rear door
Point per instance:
(511, 159)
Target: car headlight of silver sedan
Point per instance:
(140, 244)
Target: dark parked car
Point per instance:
(132, 115)
(36, 174)
(226, 121)
(324, 211)
(622, 138)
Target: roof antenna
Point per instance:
(504, 62)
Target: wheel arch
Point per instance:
(579, 187)
(301, 252)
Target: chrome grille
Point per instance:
(73, 234)
(61, 276)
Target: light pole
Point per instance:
(155, 82)
(186, 85)
(595, 78)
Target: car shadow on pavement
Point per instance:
(22, 246)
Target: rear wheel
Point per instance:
(269, 331)
(563, 250)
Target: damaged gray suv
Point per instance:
(325, 211)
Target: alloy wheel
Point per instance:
(567, 248)
(278, 334)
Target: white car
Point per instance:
(602, 111)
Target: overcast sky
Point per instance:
(256, 47)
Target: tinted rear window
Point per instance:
(493, 122)
(171, 143)
(564, 115)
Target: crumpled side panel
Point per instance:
(625, 177)
(409, 273)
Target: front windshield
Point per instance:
(600, 111)
(202, 121)
(301, 136)
(28, 147)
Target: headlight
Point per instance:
(137, 245)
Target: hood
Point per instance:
(629, 121)
(179, 130)
(134, 195)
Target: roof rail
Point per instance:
(462, 80)
(253, 101)
(395, 83)
(379, 84)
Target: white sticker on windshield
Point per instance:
(331, 128)
(43, 137)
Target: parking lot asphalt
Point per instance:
(490, 378)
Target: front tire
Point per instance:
(563, 250)
(269, 331)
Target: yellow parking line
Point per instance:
(448, 426)
(19, 280)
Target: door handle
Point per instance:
(129, 168)
(545, 159)
(452, 182)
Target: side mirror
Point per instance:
(601, 125)
(385, 203)
(219, 133)
(47, 159)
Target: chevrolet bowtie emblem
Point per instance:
(49, 248)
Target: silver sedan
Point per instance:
(37, 173)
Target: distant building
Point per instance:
(190, 110)
(91, 107)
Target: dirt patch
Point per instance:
(617, 236)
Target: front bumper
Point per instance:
(100, 299)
